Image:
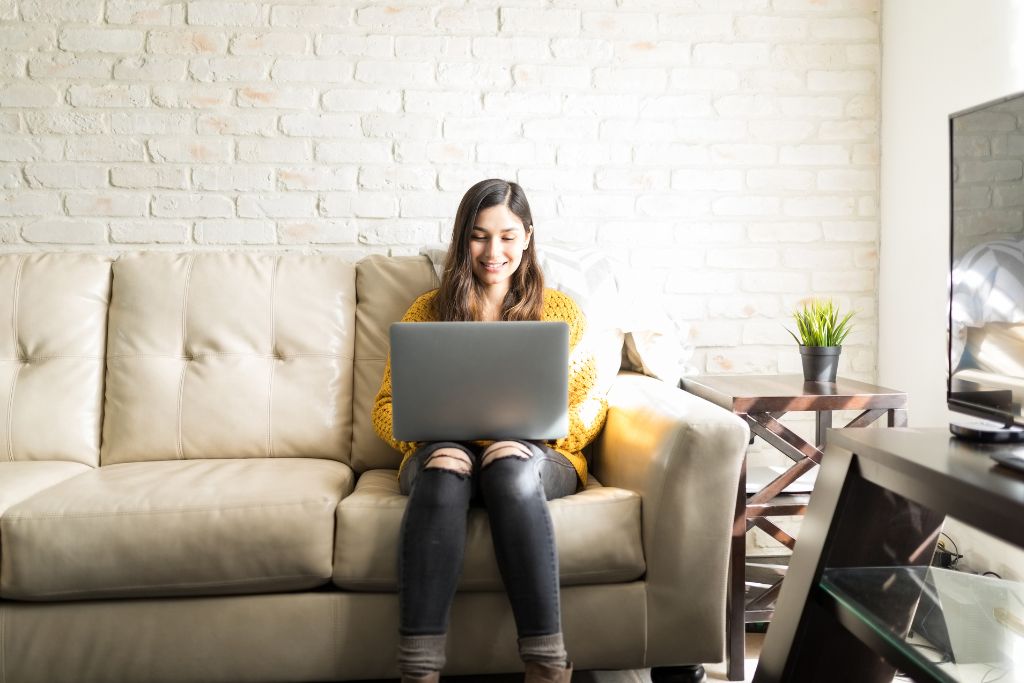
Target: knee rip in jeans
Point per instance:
(451, 460)
(505, 449)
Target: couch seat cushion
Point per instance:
(597, 532)
(21, 480)
(197, 527)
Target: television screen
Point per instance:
(986, 311)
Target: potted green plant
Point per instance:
(820, 334)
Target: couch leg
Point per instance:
(689, 673)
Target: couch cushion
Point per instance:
(597, 533)
(386, 287)
(21, 480)
(53, 309)
(229, 356)
(198, 527)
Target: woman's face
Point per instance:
(496, 245)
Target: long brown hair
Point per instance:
(460, 296)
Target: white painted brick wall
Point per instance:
(724, 153)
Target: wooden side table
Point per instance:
(762, 400)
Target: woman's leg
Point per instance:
(517, 478)
(438, 481)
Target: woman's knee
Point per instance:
(443, 479)
(505, 449)
(509, 472)
(445, 459)
(453, 459)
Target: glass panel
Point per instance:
(962, 627)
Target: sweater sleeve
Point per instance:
(588, 407)
(382, 408)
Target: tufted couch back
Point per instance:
(198, 355)
(53, 316)
(385, 286)
(161, 356)
(229, 355)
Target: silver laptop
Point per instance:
(462, 381)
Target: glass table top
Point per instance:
(962, 627)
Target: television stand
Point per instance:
(986, 432)
(860, 575)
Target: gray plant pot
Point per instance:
(820, 362)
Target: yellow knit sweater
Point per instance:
(587, 408)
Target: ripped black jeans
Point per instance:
(514, 490)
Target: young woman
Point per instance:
(491, 273)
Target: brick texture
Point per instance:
(724, 154)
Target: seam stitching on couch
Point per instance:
(203, 354)
(14, 304)
(184, 350)
(194, 584)
(17, 350)
(394, 495)
(164, 511)
(273, 359)
(33, 359)
(270, 409)
(10, 413)
(486, 583)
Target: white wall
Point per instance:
(938, 58)
(724, 150)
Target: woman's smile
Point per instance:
(496, 245)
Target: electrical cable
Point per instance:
(1002, 675)
(954, 556)
(955, 549)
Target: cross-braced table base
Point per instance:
(771, 502)
(762, 401)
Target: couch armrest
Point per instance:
(683, 455)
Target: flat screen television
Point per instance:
(985, 376)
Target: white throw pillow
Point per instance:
(586, 275)
(626, 327)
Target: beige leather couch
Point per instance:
(191, 488)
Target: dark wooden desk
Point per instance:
(880, 502)
(762, 400)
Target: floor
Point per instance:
(716, 672)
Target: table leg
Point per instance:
(822, 422)
(897, 417)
